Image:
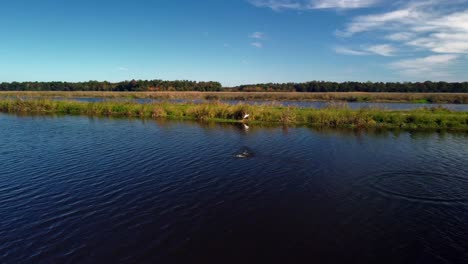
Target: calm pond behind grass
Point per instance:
(301, 104)
(82, 189)
(437, 98)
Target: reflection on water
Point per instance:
(79, 189)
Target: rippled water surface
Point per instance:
(78, 189)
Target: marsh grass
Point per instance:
(335, 115)
(436, 98)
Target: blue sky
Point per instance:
(234, 42)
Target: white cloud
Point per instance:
(313, 4)
(438, 44)
(430, 66)
(349, 51)
(341, 4)
(457, 21)
(257, 44)
(446, 34)
(424, 25)
(383, 50)
(399, 36)
(276, 4)
(257, 35)
(436, 28)
(382, 21)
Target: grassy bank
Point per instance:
(341, 116)
(436, 98)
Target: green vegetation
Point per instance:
(321, 86)
(314, 86)
(421, 101)
(133, 85)
(333, 116)
(436, 98)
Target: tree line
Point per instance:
(184, 85)
(133, 85)
(322, 86)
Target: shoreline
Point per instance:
(416, 98)
(331, 117)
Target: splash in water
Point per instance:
(244, 153)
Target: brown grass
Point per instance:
(457, 98)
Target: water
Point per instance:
(79, 190)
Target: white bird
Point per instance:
(246, 116)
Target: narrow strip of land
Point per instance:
(425, 118)
(436, 98)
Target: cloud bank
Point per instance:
(278, 5)
(437, 28)
(424, 38)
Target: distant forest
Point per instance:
(133, 85)
(320, 86)
(314, 86)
